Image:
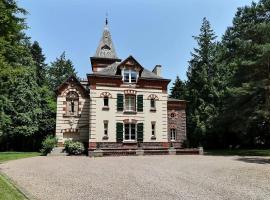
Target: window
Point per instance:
(72, 103)
(130, 131)
(153, 125)
(105, 128)
(130, 103)
(172, 115)
(129, 76)
(152, 103)
(173, 134)
(106, 101)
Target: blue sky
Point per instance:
(153, 31)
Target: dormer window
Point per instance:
(129, 76)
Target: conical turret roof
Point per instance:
(105, 48)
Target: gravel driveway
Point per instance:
(143, 177)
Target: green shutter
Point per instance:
(119, 132)
(120, 102)
(140, 132)
(140, 103)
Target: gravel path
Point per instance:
(143, 177)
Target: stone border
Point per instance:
(20, 189)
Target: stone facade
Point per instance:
(121, 106)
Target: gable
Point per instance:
(72, 83)
(131, 63)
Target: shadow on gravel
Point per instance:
(254, 160)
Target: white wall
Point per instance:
(97, 115)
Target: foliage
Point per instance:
(48, 144)
(74, 147)
(9, 191)
(201, 90)
(59, 71)
(178, 91)
(39, 60)
(245, 111)
(13, 155)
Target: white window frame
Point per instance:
(129, 132)
(172, 134)
(128, 106)
(129, 71)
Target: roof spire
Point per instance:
(105, 48)
(106, 21)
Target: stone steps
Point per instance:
(58, 151)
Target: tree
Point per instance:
(39, 60)
(178, 91)
(246, 112)
(60, 70)
(201, 90)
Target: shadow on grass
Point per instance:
(254, 160)
(238, 152)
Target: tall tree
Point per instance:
(19, 97)
(39, 60)
(178, 91)
(201, 90)
(60, 70)
(246, 112)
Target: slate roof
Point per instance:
(105, 48)
(112, 69)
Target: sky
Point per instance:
(152, 31)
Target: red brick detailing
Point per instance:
(64, 102)
(176, 105)
(106, 94)
(153, 96)
(64, 109)
(130, 92)
(92, 145)
(165, 145)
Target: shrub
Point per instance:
(48, 144)
(73, 148)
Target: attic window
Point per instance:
(105, 47)
(130, 76)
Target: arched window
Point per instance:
(72, 103)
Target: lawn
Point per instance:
(10, 155)
(238, 152)
(7, 190)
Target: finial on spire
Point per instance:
(106, 21)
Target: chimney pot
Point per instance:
(157, 70)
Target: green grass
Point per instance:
(238, 152)
(8, 191)
(10, 155)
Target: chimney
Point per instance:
(157, 70)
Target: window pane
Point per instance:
(173, 134)
(153, 105)
(106, 101)
(126, 131)
(126, 76)
(130, 103)
(133, 132)
(133, 76)
(105, 128)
